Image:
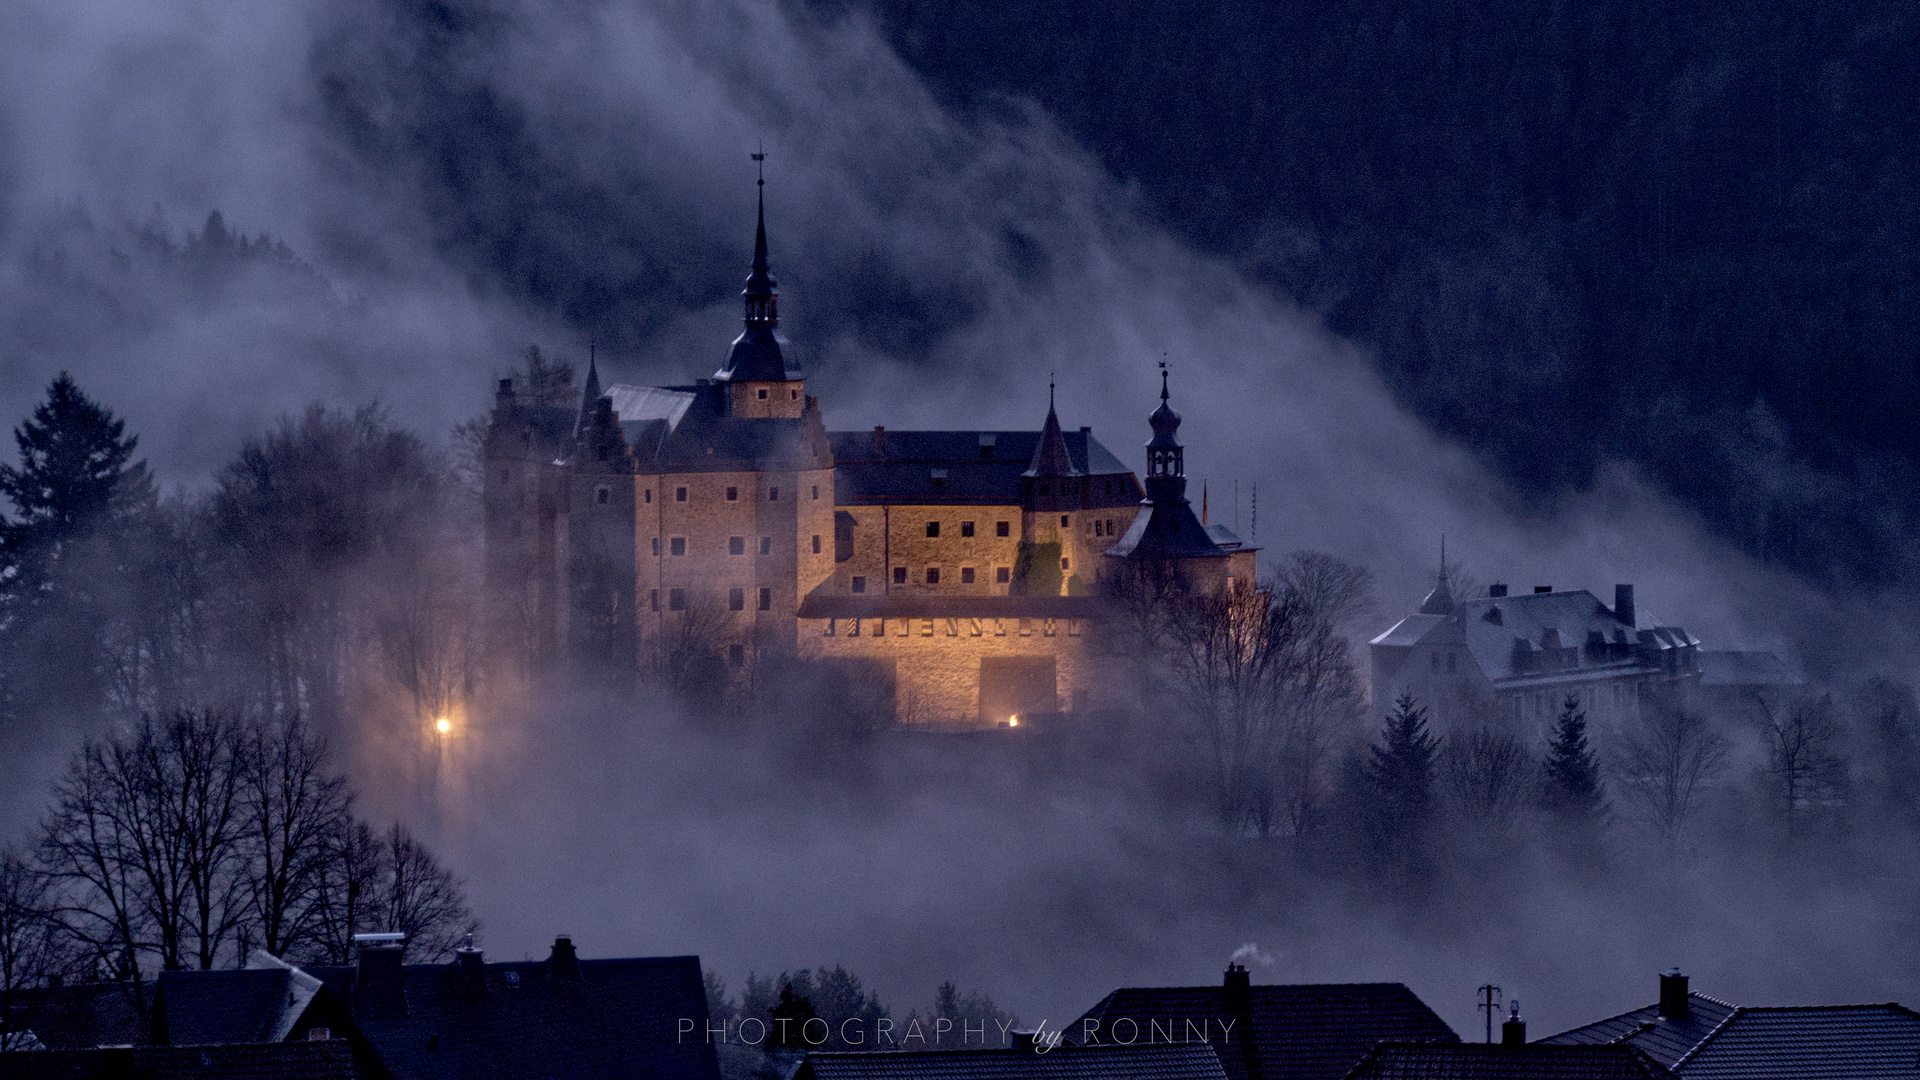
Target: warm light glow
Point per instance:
(443, 725)
(1014, 720)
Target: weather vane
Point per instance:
(760, 159)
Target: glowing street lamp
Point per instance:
(443, 725)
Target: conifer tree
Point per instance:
(1571, 782)
(1400, 767)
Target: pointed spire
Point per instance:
(1440, 600)
(1051, 458)
(1169, 529)
(756, 355)
(590, 399)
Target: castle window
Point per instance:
(933, 528)
(966, 528)
(677, 545)
(736, 655)
(899, 575)
(859, 584)
(766, 545)
(656, 599)
(933, 575)
(1109, 526)
(966, 575)
(1002, 575)
(733, 494)
(1063, 564)
(649, 496)
(676, 599)
(763, 394)
(601, 495)
(1064, 522)
(773, 494)
(679, 494)
(793, 395)
(766, 599)
(656, 547)
(736, 599)
(736, 545)
(1001, 528)
(816, 543)
(816, 491)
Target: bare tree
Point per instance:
(1666, 760)
(294, 808)
(33, 953)
(347, 901)
(421, 899)
(1488, 776)
(1804, 769)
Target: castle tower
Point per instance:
(761, 383)
(1053, 491)
(600, 540)
(1168, 541)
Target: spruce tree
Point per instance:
(1400, 767)
(1571, 783)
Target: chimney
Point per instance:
(564, 964)
(1542, 588)
(1673, 995)
(506, 390)
(1514, 1031)
(469, 971)
(1497, 591)
(379, 981)
(879, 441)
(1623, 604)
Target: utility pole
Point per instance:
(1489, 1004)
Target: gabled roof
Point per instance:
(1816, 1042)
(1493, 1061)
(1162, 1062)
(935, 468)
(1498, 630)
(1665, 1040)
(687, 429)
(1310, 1032)
(260, 1003)
(329, 1060)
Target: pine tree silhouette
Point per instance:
(1400, 767)
(1571, 783)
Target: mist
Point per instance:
(420, 190)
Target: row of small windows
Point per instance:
(932, 576)
(736, 545)
(736, 599)
(1103, 527)
(732, 493)
(1000, 528)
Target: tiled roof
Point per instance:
(1177, 1062)
(965, 467)
(1665, 1040)
(258, 1004)
(1493, 1061)
(1313, 1032)
(330, 1060)
(1561, 635)
(1818, 1042)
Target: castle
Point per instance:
(719, 529)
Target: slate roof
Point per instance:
(1731, 667)
(330, 1060)
(1065, 1062)
(621, 1018)
(1306, 1032)
(1665, 1040)
(1816, 1042)
(687, 429)
(966, 467)
(260, 1003)
(1493, 1061)
(1563, 635)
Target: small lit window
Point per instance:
(1001, 528)
(656, 599)
(859, 584)
(736, 655)
(766, 599)
(676, 599)
(736, 545)
(766, 545)
(679, 494)
(1001, 575)
(733, 494)
(966, 575)
(677, 546)
(899, 575)
(816, 543)
(933, 528)
(736, 599)
(966, 528)
(933, 575)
